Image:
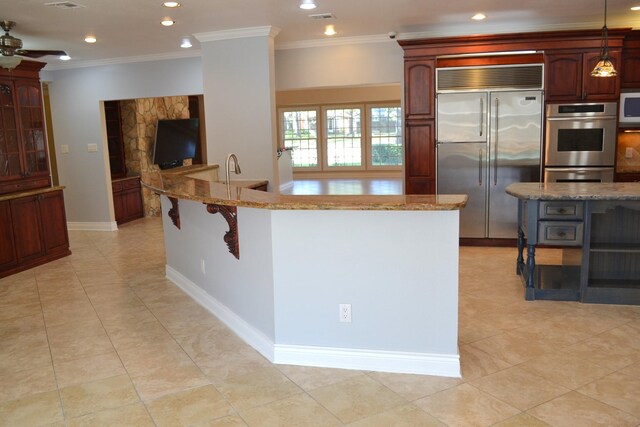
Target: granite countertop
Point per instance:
(575, 191)
(126, 178)
(27, 193)
(184, 187)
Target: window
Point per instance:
(344, 137)
(299, 132)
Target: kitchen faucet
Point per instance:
(236, 170)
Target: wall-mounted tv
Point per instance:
(176, 140)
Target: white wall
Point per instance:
(342, 65)
(77, 117)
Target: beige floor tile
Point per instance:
(168, 379)
(309, 377)
(191, 407)
(465, 405)
(606, 350)
(78, 347)
(130, 415)
(471, 329)
(147, 357)
(566, 370)
(356, 398)
(258, 388)
(299, 410)
(412, 387)
(98, 395)
(475, 363)
(25, 351)
(401, 416)
(88, 369)
(20, 309)
(618, 390)
(11, 328)
(231, 421)
(575, 409)
(513, 348)
(632, 370)
(522, 420)
(32, 410)
(17, 384)
(519, 388)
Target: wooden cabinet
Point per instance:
(127, 199)
(628, 177)
(115, 140)
(34, 231)
(24, 162)
(567, 77)
(419, 101)
(630, 68)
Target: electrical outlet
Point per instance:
(345, 313)
(202, 267)
(628, 153)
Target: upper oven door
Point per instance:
(580, 142)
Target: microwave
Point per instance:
(629, 109)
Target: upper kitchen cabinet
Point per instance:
(24, 162)
(630, 68)
(567, 77)
(419, 82)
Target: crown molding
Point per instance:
(337, 41)
(124, 60)
(238, 33)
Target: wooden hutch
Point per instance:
(33, 225)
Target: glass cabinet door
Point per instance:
(9, 146)
(32, 120)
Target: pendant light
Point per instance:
(604, 67)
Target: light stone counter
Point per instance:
(181, 186)
(31, 192)
(576, 191)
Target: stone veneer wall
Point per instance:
(139, 118)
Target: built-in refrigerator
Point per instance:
(487, 140)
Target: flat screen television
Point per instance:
(176, 140)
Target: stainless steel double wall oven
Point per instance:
(580, 142)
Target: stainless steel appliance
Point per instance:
(580, 135)
(487, 140)
(578, 175)
(629, 109)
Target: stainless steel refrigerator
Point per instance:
(486, 141)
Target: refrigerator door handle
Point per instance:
(480, 167)
(481, 115)
(495, 148)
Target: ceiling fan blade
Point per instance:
(39, 53)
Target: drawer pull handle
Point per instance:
(562, 210)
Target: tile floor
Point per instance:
(100, 338)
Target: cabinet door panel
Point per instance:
(27, 228)
(598, 88)
(10, 167)
(7, 249)
(419, 88)
(563, 74)
(54, 224)
(31, 115)
(420, 158)
(630, 68)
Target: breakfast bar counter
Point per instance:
(357, 282)
(597, 226)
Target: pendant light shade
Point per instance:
(10, 62)
(307, 4)
(604, 67)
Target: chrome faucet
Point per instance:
(236, 169)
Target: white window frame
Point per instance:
(325, 139)
(319, 134)
(369, 140)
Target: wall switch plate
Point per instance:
(92, 148)
(345, 313)
(64, 148)
(628, 152)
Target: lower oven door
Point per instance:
(580, 142)
(578, 174)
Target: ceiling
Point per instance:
(126, 29)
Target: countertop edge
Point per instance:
(32, 192)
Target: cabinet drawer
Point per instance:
(561, 210)
(562, 233)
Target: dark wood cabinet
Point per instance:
(419, 88)
(630, 68)
(115, 141)
(127, 199)
(34, 231)
(567, 77)
(628, 177)
(24, 162)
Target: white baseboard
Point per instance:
(444, 365)
(92, 226)
(447, 365)
(248, 333)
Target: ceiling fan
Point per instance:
(11, 48)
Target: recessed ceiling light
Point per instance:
(330, 30)
(636, 8)
(478, 17)
(171, 4)
(167, 22)
(90, 39)
(65, 57)
(186, 43)
(307, 4)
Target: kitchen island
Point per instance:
(358, 282)
(597, 225)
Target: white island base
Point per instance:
(398, 269)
